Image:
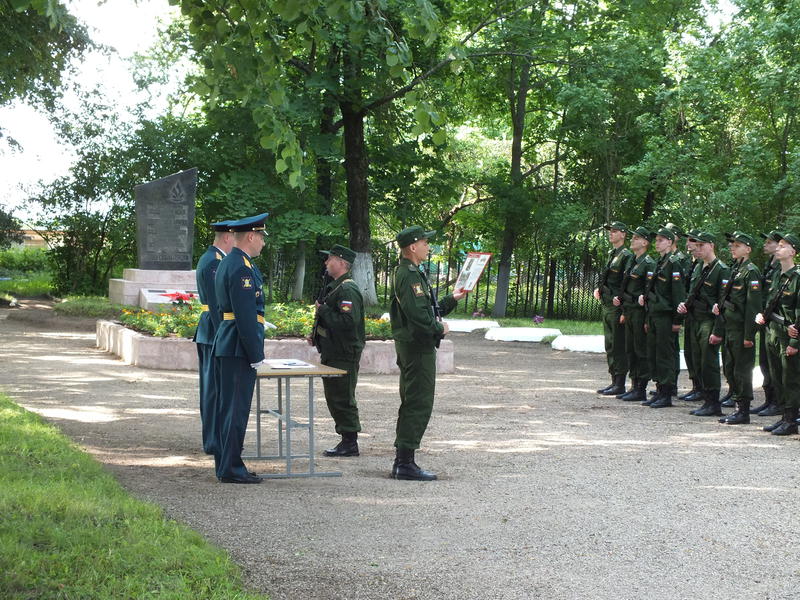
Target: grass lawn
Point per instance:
(96, 307)
(26, 286)
(69, 530)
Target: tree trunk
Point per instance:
(551, 291)
(504, 271)
(299, 270)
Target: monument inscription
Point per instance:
(165, 221)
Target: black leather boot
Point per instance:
(638, 393)
(347, 447)
(618, 387)
(727, 400)
(741, 416)
(608, 387)
(788, 426)
(769, 395)
(770, 408)
(712, 407)
(701, 396)
(405, 467)
(648, 400)
(690, 392)
(665, 399)
(774, 426)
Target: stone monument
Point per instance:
(165, 236)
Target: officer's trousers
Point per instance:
(661, 349)
(741, 361)
(417, 386)
(636, 344)
(614, 334)
(340, 394)
(705, 355)
(208, 396)
(784, 370)
(236, 380)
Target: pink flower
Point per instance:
(538, 319)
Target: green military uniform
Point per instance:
(238, 344)
(665, 290)
(210, 318)
(741, 303)
(339, 336)
(771, 270)
(704, 292)
(784, 370)
(633, 286)
(416, 331)
(613, 331)
(687, 266)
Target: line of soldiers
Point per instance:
(728, 310)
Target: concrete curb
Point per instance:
(180, 354)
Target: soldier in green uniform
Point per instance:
(416, 329)
(664, 292)
(782, 310)
(339, 336)
(238, 346)
(619, 258)
(772, 268)
(741, 302)
(704, 293)
(207, 328)
(727, 361)
(633, 285)
(687, 264)
(693, 394)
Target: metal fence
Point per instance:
(551, 286)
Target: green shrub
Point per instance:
(23, 260)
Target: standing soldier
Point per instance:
(727, 362)
(783, 310)
(339, 337)
(704, 293)
(686, 262)
(633, 286)
(205, 274)
(238, 345)
(665, 291)
(741, 302)
(771, 270)
(610, 287)
(693, 394)
(417, 330)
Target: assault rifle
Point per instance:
(695, 293)
(321, 297)
(435, 308)
(769, 312)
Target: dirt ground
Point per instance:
(546, 490)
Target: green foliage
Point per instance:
(171, 321)
(69, 530)
(96, 307)
(297, 320)
(27, 285)
(9, 231)
(23, 260)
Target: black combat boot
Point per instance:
(665, 399)
(405, 467)
(727, 400)
(788, 426)
(769, 398)
(609, 386)
(774, 426)
(690, 392)
(347, 447)
(701, 396)
(618, 387)
(648, 400)
(638, 393)
(712, 408)
(741, 416)
(771, 409)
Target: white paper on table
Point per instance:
(286, 363)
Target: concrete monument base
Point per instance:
(181, 353)
(127, 290)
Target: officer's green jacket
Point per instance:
(340, 320)
(666, 289)
(241, 305)
(685, 261)
(689, 266)
(771, 269)
(788, 306)
(411, 311)
(744, 299)
(635, 281)
(611, 278)
(205, 274)
(708, 293)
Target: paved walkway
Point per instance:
(547, 490)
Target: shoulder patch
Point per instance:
(247, 283)
(346, 306)
(417, 287)
(755, 285)
(676, 276)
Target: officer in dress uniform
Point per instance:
(772, 268)
(741, 302)
(416, 330)
(633, 286)
(664, 292)
(238, 345)
(339, 337)
(704, 292)
(782, 311)
(207, 327)
(619, 258)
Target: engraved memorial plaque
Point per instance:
(165, 221)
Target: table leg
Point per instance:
(258, 417)
(288, 427)
(280, 422)
(311, 453)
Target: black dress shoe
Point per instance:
(737, 418)
(249, 479)
(343, 448)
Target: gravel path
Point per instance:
(546, 490)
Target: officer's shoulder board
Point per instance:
(413, 268)
(218, 256)
(247, 262)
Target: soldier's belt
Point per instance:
(232, 317)
(729, 305)
(204, 307)
(777, 319)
